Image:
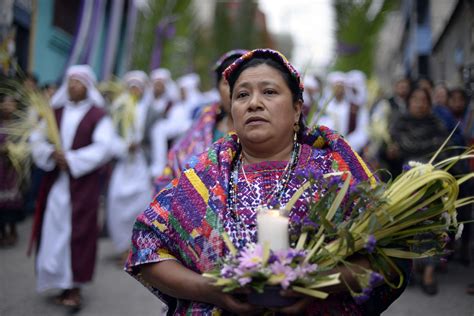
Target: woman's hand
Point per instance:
(231, 303)
(297, 308)
(177, 281)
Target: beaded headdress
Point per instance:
(265, 53)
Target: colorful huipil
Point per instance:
(196, 140)
(185, 221)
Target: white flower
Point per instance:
(454, 217)
(459, 232)
(446, 218)
(413, 163)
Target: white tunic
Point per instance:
(177, 123)
(130, 187)
(337, 118)
(53, 264)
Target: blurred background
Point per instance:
(385, 39)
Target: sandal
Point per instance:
(58, 299)
(72, 299)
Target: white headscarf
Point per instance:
(190, 83)
(336, 77)
(136, 78)
(356, 80)
(160, 74)
(171, 92)
(85, 75)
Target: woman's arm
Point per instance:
(177, 281)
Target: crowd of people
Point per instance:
(153, 139)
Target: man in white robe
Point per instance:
(66, 227)
(178, 121)
(346, 111)
(130, 186)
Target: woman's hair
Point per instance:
(220, 69)
(289, 80)
(460, 91)
(427, 94)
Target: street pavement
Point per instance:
(114, 292)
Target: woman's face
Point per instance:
(418, 105)
(440, 96)
(262, 107)
(457, 103)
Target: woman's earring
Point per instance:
(296, 127)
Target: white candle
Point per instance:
(272, 228)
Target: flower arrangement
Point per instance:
(381, 221)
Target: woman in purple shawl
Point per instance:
(180, 235)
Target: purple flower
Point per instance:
(334, 181)
(289, 256)
(303, 270)
(227, 271)
(251, 257)
(374, 279)
(309, 225)
(272, 258)
(406, 167)
(245, 280)
(284, 273)
(360, 298)
(370, 244)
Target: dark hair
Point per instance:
(226, 63)
(287, 77)
(290, 82)
(461, 91)
(425, 78)
(427, 94)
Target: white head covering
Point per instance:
(356, 80)
(136, 78)
(336, 77)
(86, 76)
(171, 90)
(189, 82)
(160, 74)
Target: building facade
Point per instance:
(50, 35)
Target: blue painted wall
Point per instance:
(51, 46)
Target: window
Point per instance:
(66, 15)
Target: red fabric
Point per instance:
(354, 110)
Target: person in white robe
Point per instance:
(347, 92)
(178, 121)
(130, 186)
(55, 264)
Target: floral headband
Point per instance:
(265, 53)
(234, 52)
